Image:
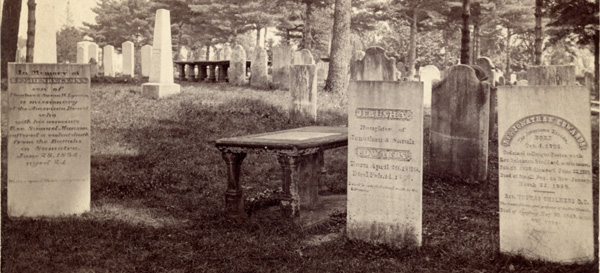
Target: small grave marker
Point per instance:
(303, 89)
(237, 67)
(258, 68)
(108, 55)
(128, 58)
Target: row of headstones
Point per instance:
(545, 178)
(88, 52)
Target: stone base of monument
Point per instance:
(159, 90)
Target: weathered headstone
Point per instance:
(128, 58)
(161, 71)
(385, 160)
(322, 71)
(93, 53)
(282, 59)
(303, 89)
(108, 55)
(44, 50)
(356, 65)
(237, 66)
(501, 81)
(219, 54)
(258, 69)
(488, 67)
(513, 79)
(375, 66)
(303, 56)
(545, 173)
(146, 60)
(227, 52)
(428, 75)
(460, 125)
(551, 75)
(49, 139)
(83, 52)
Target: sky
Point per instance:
(80, 9)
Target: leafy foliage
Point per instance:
(66, 47)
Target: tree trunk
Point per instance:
(30, 30)
(596, 57)
(538, 32)
(446, 35)
(307, 30)
(208, 52)
(337, 79)
(11, 14)
(476, 38)
(465, 40)
(412, 47)
(508, 34)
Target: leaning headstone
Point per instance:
(303, 89)
(128, 58)
(428, 75)
(227, 52)
(258, 69)
(545, 173)
(282, 59)
(108, 55)
(44, 50)
(48, 139)
(146, 53)
(385, 161)
(161, 71)
(237, 66)
(83, 52)
(460, 125)
(376, 66)
(356, 65)
(551, 75)
(303, 56)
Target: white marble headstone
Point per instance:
(128, 58)
(146, 60)
(108, 56)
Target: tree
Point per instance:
(513, 19)
(30, 30)
(465, 38)
(66, 40)
(576, 21)
(11, 13)
(538, 31)
(337, 79)
(118, 21)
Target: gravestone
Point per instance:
(375, 66)
(146, 53)
(303, 89)
(545, 173)
(282, 59)
(93, 52)
(356, 65)
(48, 139)
(258, 69)
(161, 70)
(551, 75)
(488, 67)
(589, 81)
(501, 81)
(385, 160)
(44, 50)
(460, 125)
(522, 83)
(83, 52)
(303, 56)
(237, 67)
(227, 52)
(513, 79)
(128, 58)
(322, 71)
(428, 75)
(219, 54)
(108, 55)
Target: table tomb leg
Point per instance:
(233, 195)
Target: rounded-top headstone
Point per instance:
(377, 66)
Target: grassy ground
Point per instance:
(157, 199)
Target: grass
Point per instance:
(158, 206)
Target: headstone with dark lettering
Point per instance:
(385, 160)
(303, 89)
(161, 81)
(545, 173)
(460, 126)
(48, 139)
(258, 69)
